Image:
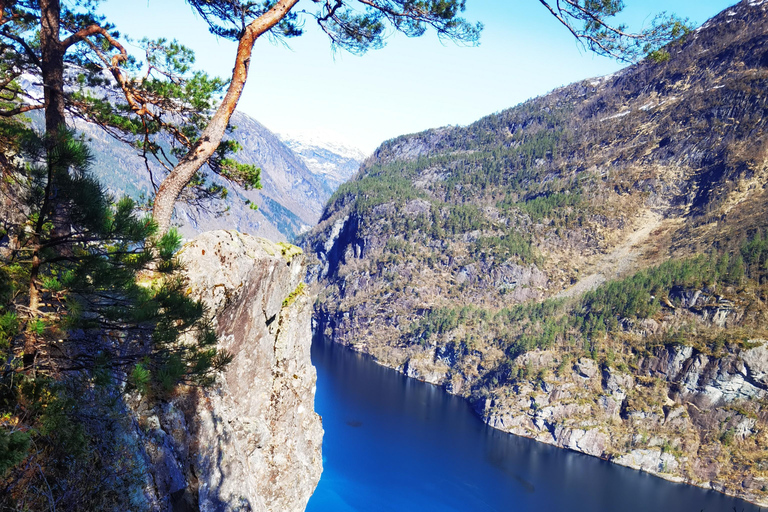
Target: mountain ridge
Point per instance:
(583, 264)
(330, 159)
(289, 203)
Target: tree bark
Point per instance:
(52, 70)
(52, 65)
(174, 183)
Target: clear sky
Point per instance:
(409, 85)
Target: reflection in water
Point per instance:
(528, 486)
(414, 447)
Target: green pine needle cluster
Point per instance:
(111, 315)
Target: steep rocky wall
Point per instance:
(663, 418)
(680, 414)
(689, 411)
(253, 441)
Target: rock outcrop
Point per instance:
(253, 441)
(651, 418)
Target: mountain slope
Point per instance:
(504, 260)
(290, 201)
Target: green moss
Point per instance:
(284, 249)
(290, 299)
(288, 251)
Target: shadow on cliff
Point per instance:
(206, 462)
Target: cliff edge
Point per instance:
(253, 440)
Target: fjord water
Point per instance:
(396, 444)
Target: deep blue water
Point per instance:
(396, 444)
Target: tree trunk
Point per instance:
(52, 70)
(174, 183)
(52, 65)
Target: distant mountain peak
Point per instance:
(323, 138)
(329, 156)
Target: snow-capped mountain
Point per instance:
(327, 155)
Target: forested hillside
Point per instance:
(588, 268)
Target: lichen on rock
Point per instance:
(253, 440)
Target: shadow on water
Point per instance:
(414, 447)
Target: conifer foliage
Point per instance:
(81, 318)
(156, 101)
(95, 327)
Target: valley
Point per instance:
(560, 304)
(587, 268)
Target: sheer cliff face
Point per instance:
(464, 256)
(253, 441)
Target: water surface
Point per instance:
(396, 444)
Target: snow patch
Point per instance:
(328, 140)
(620, 114)
(600, 79)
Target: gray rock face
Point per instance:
(591, 442)
(651, 460)
(253, 441)
(716, 381)
(586, 368)
(756, 364)
(650, 420)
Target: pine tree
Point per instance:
(166, 96)
(96, 329)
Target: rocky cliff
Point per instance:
(651, 418)
(588, 268)
(253, 441)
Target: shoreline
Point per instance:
(489, 421)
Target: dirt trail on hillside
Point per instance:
(620, 260)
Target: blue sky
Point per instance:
(410, 84)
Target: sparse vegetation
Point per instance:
(291, 298)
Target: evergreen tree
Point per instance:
(96, 328)
(165, 96)
(159, 105)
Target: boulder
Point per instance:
(651, 460)
(756, 363)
